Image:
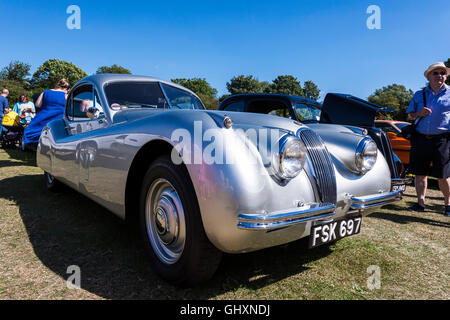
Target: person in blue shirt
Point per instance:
(25, 109)
(3, 107)
(430, 151)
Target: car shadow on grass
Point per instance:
(23, 158)
(428, 197)
(67, 229)
(406, 218)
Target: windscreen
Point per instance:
(123, 95)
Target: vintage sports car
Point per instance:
(393, 130)
(202, 182)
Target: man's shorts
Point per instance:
(430, 156)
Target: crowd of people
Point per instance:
(50, 103)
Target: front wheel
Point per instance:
(171, 226)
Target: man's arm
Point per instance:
(421, 113)
(412, 112)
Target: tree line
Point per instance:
(17, 79)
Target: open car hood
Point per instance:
(349, 110)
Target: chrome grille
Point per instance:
(322, 165)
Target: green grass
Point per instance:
(42, 233)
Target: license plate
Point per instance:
(401, 187)
(335, 230)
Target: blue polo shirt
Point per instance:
(3, 105)
(439, 120)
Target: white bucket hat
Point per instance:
(437, 65)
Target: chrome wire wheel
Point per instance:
(165, 221)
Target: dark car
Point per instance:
(341, 109)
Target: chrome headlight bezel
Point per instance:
(285, 165)
(366, 155)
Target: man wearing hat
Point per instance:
(432, 144)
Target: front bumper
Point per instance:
(312, 212)
(366, 202)
(285, 218)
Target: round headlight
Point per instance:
(366, 155)
(291, 157)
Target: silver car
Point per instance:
(201, 182)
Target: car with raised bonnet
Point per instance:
(200, 182)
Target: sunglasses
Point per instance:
(442, 73)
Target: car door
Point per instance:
(85, 117)
(64, 150)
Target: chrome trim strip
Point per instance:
(280, 219)
(370, 201)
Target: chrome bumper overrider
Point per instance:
(361, 203)
(317, 211)
(285, 218)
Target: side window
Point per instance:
(238, 106)
(82, 99)
(284, 113)
(84, 104)
(307, 112)
(272, 107)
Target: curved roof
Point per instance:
(102, 79)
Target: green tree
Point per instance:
(202, 88)
(198, 85)
(447, 64)
(15, 88)
(16, 71)
(245, 84)
(113, 69)
(311, 90)
(394, 96)
(53, 70)
(286, 84)
(223, 97)
(210, 102)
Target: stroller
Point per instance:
(12, 135)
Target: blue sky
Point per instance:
(327, 42)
